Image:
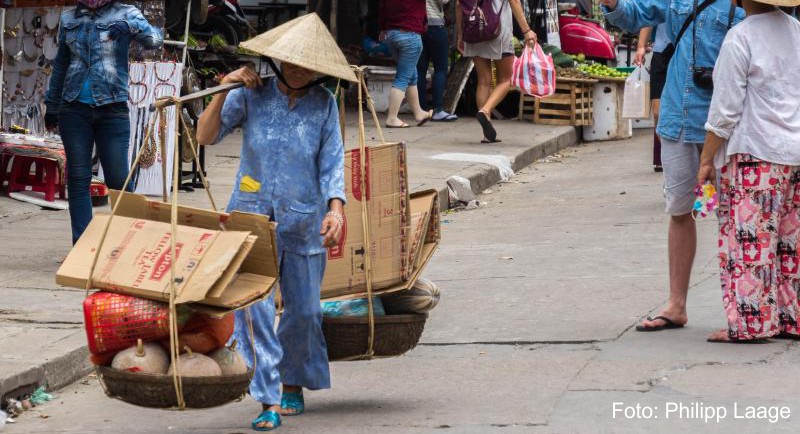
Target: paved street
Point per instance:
(534, 333)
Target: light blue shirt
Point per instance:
(662, 39)
(684, 107)
(86, 93)
(292, 160)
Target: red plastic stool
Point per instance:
(4, 160)
(45, 179)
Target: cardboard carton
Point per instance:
(426, 217)
(221, 269)
(386, 198)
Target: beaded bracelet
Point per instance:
(337, 216)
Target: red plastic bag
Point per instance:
(115, 321)
(534, 72)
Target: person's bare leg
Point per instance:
(483, 68)
(682, 241)
(504, 70)
(395, 101)
(412, 96)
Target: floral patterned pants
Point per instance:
(759, 224)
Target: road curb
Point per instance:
(483, 176)
(52, 374)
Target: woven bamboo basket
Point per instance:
(348, 337)
(158, 391)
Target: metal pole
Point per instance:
(186, 33)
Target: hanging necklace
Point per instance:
(41, 80)
(30, 51)
(52, 17)
(165, 89)
(171, 73)
(137, 88)
(137, 67)
(13, 18)
(50, 48)
(28, 84)
(13, 87)
(30, 20)
(137, 94)
(9, 86)
(13, 53)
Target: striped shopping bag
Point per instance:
(534, 72)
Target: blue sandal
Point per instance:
(293, 401)
(268, 416)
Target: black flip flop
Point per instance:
(487, 142)
(668, 325)
(739, 341)
(488, 130)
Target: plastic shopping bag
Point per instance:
(534, 72)
(636, 100)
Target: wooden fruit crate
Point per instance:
(570, 105)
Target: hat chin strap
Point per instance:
(280, 76)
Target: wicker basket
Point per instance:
(347, 337)
(158, 391)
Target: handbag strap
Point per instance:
(500, 12)
(731, 14)
(691, 18)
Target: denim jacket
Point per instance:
(292, 161)
(85, 50)
(684, 107)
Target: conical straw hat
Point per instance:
(306, 42)
(782, 3)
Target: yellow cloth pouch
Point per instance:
(249, 185)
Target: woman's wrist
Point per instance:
(335, 205)
(336, 216)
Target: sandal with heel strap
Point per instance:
(293, 401)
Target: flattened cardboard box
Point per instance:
(386, 197)
(250, 279)
(427, 217)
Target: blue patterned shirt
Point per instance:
(86, 52)
(292, 162)
(684, 106)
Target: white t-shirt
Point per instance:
(756, 102)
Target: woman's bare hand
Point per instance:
(246, 75)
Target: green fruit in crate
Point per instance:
(581, 57)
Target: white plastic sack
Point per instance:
(636, 100)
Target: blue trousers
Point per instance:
(434, 49)
(405, 48)
(83, 127)
(296, 354)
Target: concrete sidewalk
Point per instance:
(41, 335)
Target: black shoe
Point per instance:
(488, 130)
(658, 169)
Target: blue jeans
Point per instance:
(406, 48)
(434, 49)
(83, 127)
